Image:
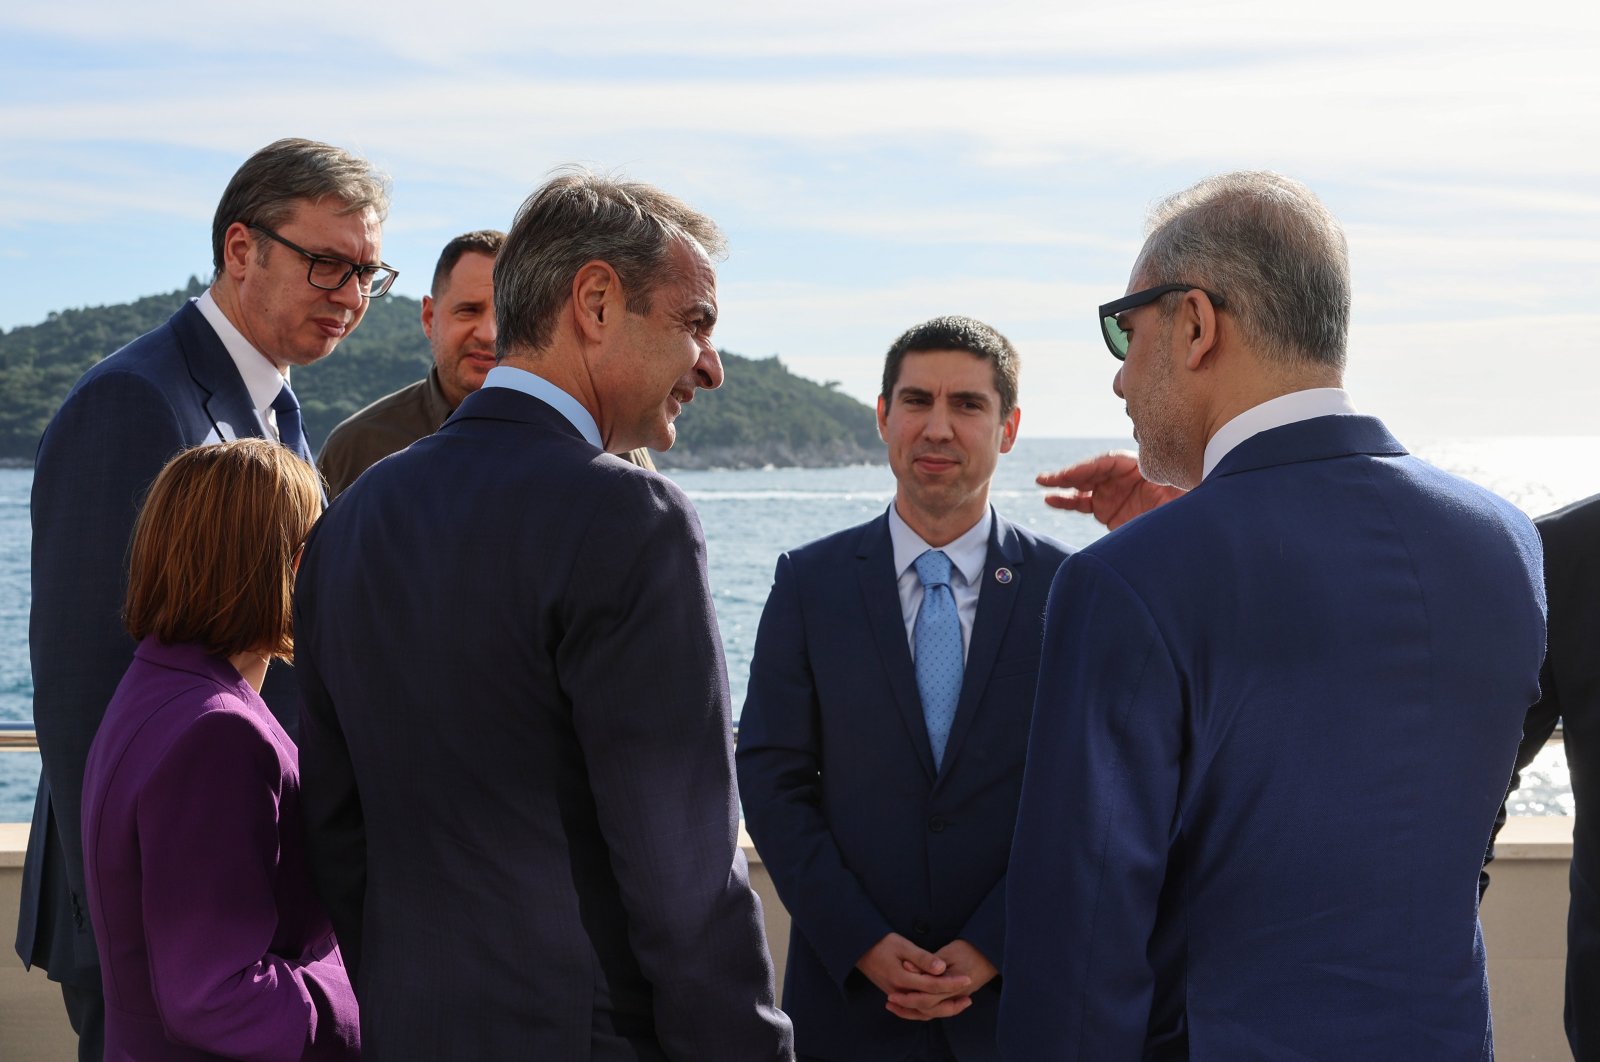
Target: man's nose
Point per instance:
(347, 294)
(938, 423)
(708, 370)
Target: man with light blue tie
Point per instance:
(882, 741)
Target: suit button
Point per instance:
(919, 926)
(936, 824)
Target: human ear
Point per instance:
(596, 298)
(1201, 328)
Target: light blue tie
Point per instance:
(937, 633)
(291, 432)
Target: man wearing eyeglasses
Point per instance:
(1276, 714)
(295, 244)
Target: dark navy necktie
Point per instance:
(290, 430)
(937, 633)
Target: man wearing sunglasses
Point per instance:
(1276, 715)
(295, 244)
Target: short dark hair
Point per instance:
(954, 332)
(212, 559)
(482, 241)
(267, 188)
(580, 217)
(1266, 244)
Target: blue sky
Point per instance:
(875, 164)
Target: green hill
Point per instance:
(763, 414)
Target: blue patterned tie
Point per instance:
(939, 659)
(290, 431)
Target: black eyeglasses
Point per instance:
(1116, 339)
(330, 274)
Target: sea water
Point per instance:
(751, 516)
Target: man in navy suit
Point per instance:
(295, 244)
(1276, 714)
(516, 760)
(1570, 688)
(880, 759)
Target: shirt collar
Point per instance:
(1275, 413)
(533, 384)
(434, 401)
(967, 553)
(261, 378)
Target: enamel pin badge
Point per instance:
(1002, 576)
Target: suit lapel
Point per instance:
(995, 602)
(233, 415)
(880, 595)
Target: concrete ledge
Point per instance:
(1524, 927)
(13, 844)
(1535, 837)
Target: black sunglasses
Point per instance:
(1111, 329)
(330, 273)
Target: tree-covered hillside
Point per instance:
(763, 414)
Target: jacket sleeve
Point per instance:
(1564, 582)
(986, 928)
(641, 660)
(95, 463)
(336, 833)
(780, 771)
(1094, 828)
(209, 854)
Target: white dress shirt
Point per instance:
(530, 383)
(1275, 413)
(261, 377)
(967, 556)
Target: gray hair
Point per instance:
(1270, 249)
(579, 217)
(273, 181)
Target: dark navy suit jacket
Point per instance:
(170, 389)
(1571, 694)
(516, 761)
(1275, 722)
(860, 834)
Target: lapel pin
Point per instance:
(1002, 576)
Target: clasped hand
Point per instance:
(922, 985)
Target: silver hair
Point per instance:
(1270, 249)
(579, 217)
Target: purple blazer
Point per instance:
(212, 943)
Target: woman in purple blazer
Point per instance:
(212, 943)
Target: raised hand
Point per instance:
(1108, 487)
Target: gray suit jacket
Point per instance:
(170, 389)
